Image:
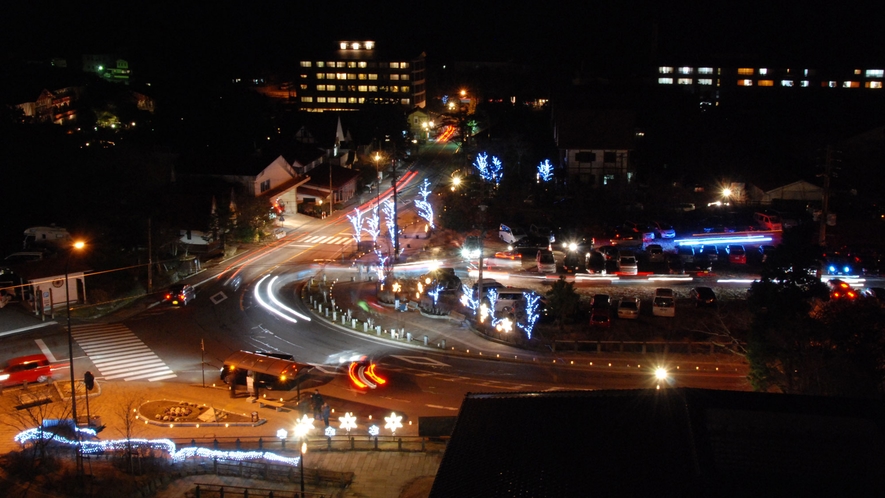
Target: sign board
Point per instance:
(47, 302)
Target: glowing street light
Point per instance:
(302, 427)
(661, 375)
(78, 245)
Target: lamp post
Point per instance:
(79, 245)
(302, 427)
(377, 180)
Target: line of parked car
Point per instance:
(628, 308)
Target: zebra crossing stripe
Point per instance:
(119, 354)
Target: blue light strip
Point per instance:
(752, 239)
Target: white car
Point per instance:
(546, 262)
(511, 234)
(628, 308)
(662, 230)
(627, 265)
(664, 302)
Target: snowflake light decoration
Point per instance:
(393, 422)
(374, 431)
(282, 434)
(348, 422)
(504, 325)
(303, 426)
(330, 431)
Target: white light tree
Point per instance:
(373, 226)
(531, 314)
(425, 210)
(389, 218)
(434, 295)
(545, 171)
(356, 219)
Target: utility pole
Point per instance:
(150, 261)
(825, 202)
(482, 236)
(395, 210)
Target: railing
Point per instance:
(643, 347)
(342, 442)
(202, 490)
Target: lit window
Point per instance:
(351, 100)
(787, 83)
(665, 70)
(745, 71)
(330, 64)
(340, 76)
(321, 99)
(804, 84)
(330, 88)
(705, 70)
(304, 87)
(351, 64)
(351, 76)
(321, 76)
(763, 71)
(745, 82)
(394, 89)
(340, 64)
(705, 81)
(686, 70)
(304, 76)
(394, 65)
(321, 64)
(805, 73)
(404, 65)
(404, 101)
(875, 73)
(370, 45)
(404, 77)
(851, 84)
(307, 99)
(766, 83)
(355, 46)
(874, 84)
(404, 89)
(857, 71)
(665, 81)
(831, 84)
(684, 81)
(330, 76)
(321, 88)
(361, 100)
(373, 88)
(342, 100)
(373, 76)
(342, 45)
(362, 88)
(361, 64)
(394, 77)
(305, 64)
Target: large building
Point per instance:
(355, 75)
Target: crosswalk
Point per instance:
(119, 354)
(324, 239)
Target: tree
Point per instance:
(563, 302)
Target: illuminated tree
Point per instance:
(425, 210)
(389, 218)
(531, 314)
(373, 225)
(490, 171)
(545, 171)
(356, 219)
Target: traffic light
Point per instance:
(89, 380)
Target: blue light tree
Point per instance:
(434, 295)
(492, 172)
(425, 210)
(531, 314)
(467, 299)
(545, 171)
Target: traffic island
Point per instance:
(173, 414)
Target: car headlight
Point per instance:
(3, 377)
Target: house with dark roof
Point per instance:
(663, 442)
(595, 146)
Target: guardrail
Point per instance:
(643, 347)
(342, 442)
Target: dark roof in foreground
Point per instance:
(668, 442)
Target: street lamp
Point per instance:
(378, 180)
(78, 245)
(302, 427)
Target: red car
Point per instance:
(33, 368)
(600, 318)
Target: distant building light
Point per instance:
(685, 81)
(766, 83)
(805, 84)
(851, 84)
(787, 83)
(686, 70)
(665, 81)
(745, 82)
(705, 70)
(874, 84)
(763, 71)
(705, 81)
(875, 73)
(746, 71)
(665, 69)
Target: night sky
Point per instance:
(187, 37)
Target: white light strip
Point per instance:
(276, 301)
(735, 281)
(674, 278)
(267, 306)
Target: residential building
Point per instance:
(595, 146)
(356, 75)
(108, 67)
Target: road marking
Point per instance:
(45, 350)
(327, 370)
(118, 353)
(420, 360)
(217, 298)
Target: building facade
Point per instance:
(356, 75)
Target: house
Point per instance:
(595, 146)
(329, 178)
(800, 191)
(420, 123)
(43, 282)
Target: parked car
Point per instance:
(600, 301)
(487, 284)
(767, 221)
(874, 292)
(545, 261)
(510, 234)
(685, 253)
(655, 253)
(765, 252)
(609, 253)
(641, 230)
(30, 369)
(600, 318)
(737, 255)
(703, 297)
(627, 264)
(180, 294)
(628, 307)
(840, 289)
(662, 230)
(663, 305)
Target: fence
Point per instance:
(643, 347)
(342, 442)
